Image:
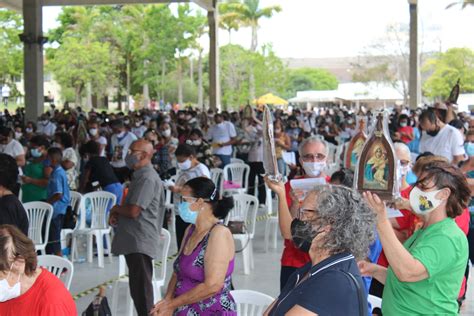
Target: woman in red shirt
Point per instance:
(404, 129)
(26, 289)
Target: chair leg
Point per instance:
(90, 247)
(99, 241)
(267, 234)
(275, 234)
(73, 247)
(115, 295)
(109, 247)
(246, 259)
(250, 246)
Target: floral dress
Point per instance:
(189, 270)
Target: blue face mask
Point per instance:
(35, 152)
(469, 147)
(186, 214)
(411, 178)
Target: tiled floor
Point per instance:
(264, 278)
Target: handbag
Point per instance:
(70, 218)
(236, 227)
(99, 306)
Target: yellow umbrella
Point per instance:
(270, 98)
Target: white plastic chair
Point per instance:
(99, 202)
(238, 173)
(271, 224)
(375, 302)
(39, 215)
(245, 209)
(159, 277)
(158, 281)
(236, 160)
(76, 204)
(217, 178)
(251, 303)
(60, 267)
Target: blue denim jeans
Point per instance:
(225, 160)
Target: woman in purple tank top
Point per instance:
(201, 281)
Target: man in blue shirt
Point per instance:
(58, 197)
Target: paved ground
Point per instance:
(264, 278)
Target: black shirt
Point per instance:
(327, 290)
(101, 171)
(13, 213)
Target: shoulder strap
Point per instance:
(360, 294)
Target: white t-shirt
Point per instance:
(139, 131)
(13, 148)
(5, 91)
(448, 143)
(222, 133)
(119, 148)
(48, 129)
(201, 170)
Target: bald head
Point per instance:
(143, 150)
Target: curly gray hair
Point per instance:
(351, 220)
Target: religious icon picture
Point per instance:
(355, 145)
(376, 167)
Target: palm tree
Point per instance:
(229, 20)
(462, 3)
(249, 13)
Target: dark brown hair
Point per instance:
(445, 175)
(15, 245)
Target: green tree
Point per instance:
(236, 65)
(229, 20)
(250, 13)
(11, 49)
(445, 69)
(310, 79)
(78, 63)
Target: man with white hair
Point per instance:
(402, 152)
(313, 153)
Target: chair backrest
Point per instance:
(38, 214)
(100, 203)
(236, 160)
(76, 204)
(216, 177)
(271, 203)
(245, 209)
(165, 240)
(250, 303)
(237, 173)
(375, 302)
(60, 267)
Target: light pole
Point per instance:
(414, 89)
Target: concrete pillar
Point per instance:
(414, 89)
(33, 59)
(214, 80)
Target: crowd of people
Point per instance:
(339, 244)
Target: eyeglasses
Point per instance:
(305, 214)
(311, 158)
(188, 199)
(404, 163)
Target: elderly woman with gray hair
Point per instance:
(336, 227)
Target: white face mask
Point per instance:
(29, 130)
(18, 135)
(166, 133)
(424, 202)
(403, 124)
(54, 144)
(93, 131)
(184, 165)
(8, 293)
(313, 169)
(196, 142)
(404, 170)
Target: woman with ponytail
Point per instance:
(201, 280)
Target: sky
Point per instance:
(343, 28)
